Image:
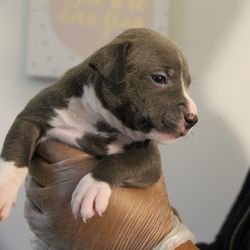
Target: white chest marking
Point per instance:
(91, 98)
(73, 122)
(80, 118)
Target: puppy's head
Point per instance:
(142, 79)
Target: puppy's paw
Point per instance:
(11, 178)
(90, 197)
(8, 197)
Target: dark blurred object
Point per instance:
(235, 232)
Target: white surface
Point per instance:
(205, 170)
(176, 237)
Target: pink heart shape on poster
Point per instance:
(84, 26)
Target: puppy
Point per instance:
(116, 105)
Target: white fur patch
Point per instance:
(90, 197)
(118, 145)
(115, 147)
(6, 169)
(192, 108)
(11, 178)
(90, 98)
(79, 118)
(10, 172)
(163, 138)
(73, 122)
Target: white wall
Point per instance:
(205, 170)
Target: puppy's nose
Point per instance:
(191, 119)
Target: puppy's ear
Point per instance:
(110, 61)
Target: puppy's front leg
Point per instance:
(17, 150)
(138, 166)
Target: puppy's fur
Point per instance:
(115, 105)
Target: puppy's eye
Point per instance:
(160, 79)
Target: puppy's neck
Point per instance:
(90, 99)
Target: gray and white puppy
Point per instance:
(116, 105)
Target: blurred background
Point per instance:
(204, 171)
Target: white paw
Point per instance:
(90, 197)
(11, 179)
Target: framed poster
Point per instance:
(62, 33)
